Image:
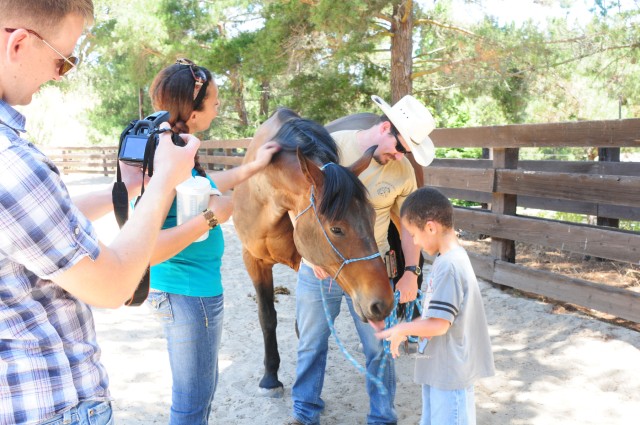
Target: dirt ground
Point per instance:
(613, 273)
(552, 366)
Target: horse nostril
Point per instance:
(377, 310)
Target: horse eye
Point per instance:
(337, 231)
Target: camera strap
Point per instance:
(119, 194)
(120, 199)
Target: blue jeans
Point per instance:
(313, 347)
(193, 327)
(451, 407)
(85, 413)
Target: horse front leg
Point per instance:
(262, 276)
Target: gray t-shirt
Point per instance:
(456, 359)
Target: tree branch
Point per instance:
(441, 25)
(408, 8)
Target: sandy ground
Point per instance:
(551, 368)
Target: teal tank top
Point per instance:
(195, 271)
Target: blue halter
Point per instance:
(345, 261)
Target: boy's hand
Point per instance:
(394, 337)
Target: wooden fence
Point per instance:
(503, 183)
(86, 160)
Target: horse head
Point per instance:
(333, 222)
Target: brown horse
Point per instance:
(295, 207)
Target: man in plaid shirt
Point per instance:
(52, 266)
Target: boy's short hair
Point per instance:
(427, 204)
(43, 15)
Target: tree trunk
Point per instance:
(140, 103)
(402, 63)
(238, 89)
(401, 50)
(265, 95)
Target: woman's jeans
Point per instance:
(451, 407)
(313, 347)
(192, 326)
(85, 413)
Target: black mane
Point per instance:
(341, 186)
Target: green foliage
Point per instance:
(325, 58)
(463, 203)
(473, 153)
(633, 226)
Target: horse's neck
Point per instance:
(288, 188)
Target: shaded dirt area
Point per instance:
(613, 273)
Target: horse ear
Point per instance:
(360, 165)
(309, 168)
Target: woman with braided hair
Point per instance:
(187, 294)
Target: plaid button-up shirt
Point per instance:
(49, 358)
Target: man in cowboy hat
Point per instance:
(390, 178)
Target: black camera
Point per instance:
(139, 133)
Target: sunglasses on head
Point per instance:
(66, 64)
(399, 146)
(198, 75)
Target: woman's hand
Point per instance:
(265, 153)
(222, 207)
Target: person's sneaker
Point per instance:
(293, 421)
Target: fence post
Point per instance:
(609, 155)
(64, 159)
(104, 162)
(228, 152)
(502, 203)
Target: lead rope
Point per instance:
(377, 380)
(392, 319)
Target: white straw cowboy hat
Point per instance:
(414, 122)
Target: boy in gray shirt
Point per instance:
(453, 320)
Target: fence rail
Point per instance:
(86, 160)
(503, 183)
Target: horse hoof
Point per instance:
(277, 392)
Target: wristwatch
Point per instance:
(210, 217)
(414, 269)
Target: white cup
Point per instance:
(193, 198)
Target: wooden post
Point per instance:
(104, 162)
(64, 159)
(502, 203)
(610, 155)
(486, 154)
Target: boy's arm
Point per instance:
(425, 328)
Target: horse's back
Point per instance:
(360, 121)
